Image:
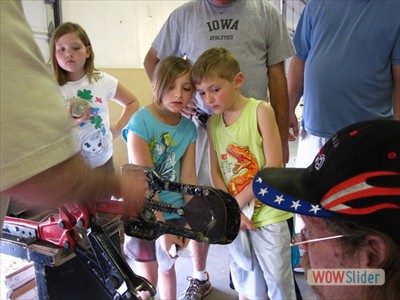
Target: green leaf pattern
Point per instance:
(86, 94)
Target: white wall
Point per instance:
(121, 31)
(40, 16)
(293, 12)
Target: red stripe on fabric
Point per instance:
(366, 191)
(356, 180)
(368, 210)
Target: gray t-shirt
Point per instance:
(254, 31)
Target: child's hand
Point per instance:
(190, 110)
(167, 240)
(79, 110)
(185, 242)
(245, 223)
(85, 117)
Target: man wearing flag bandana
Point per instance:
(349, 199)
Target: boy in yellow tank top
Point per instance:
(244, 139)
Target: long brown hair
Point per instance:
(68, 27)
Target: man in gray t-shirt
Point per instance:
(257, 35)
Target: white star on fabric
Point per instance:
(295, 204)
(279, 199)
(262, 192)
(315, 208)
(259, 180)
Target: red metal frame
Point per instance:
(56, 229)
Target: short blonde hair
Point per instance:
(218, 62)
(166, 72)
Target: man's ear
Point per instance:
(373, 252)
(239, 78)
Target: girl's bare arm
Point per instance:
(188, 167)
(130, 104)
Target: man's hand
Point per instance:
(134, 189)
(294, 125)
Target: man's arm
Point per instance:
(295, 89)
(396, 92)
(150, 62)
(68, 181)
(73, 180)
(279, 100)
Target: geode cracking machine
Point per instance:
(212, 216)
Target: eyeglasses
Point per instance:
(299, 239)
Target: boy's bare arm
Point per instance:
(271, 145)
(269, 132)
(215, 172)
(245, 196)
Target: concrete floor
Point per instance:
(218, 268)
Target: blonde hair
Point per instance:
(166, 72)
(218, 62)
(68, 27)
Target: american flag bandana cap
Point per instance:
(355, 176)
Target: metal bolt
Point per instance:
(112, 282)
(66, 244)
(80, 223)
